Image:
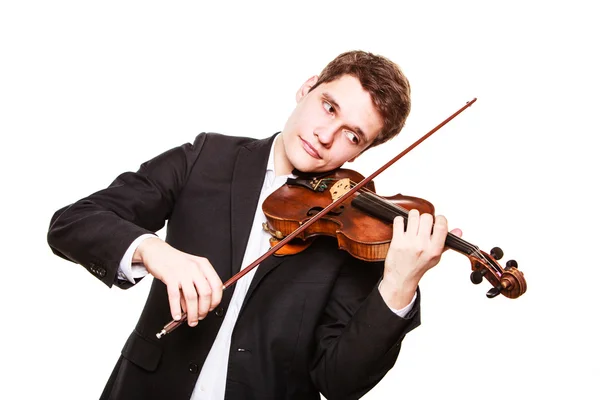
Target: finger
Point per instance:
(412, 225)
(215, 283)
(204, 296)
(440, 231)
(182, 302)
(398, 230)
(191, 301)
(174, 301)
(425, 227)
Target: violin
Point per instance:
(363, 225)
(368, 234)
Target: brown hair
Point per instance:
(385, 82)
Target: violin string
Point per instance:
(457, 241)
(404, 213)
(378, 201)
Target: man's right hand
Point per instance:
(192, 283)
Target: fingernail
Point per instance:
(192, 324)
(177, 317)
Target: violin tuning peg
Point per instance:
(497, 253)
(477, 276)
(493, 292)
(511, 264)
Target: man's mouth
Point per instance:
(310, 150)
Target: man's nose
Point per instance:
(326, 135)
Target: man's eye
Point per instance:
(328, 107)
(350, 135)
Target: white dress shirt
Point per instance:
(212, 379)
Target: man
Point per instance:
(318, 321)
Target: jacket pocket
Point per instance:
(142, 352)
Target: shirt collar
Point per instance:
(271, 162)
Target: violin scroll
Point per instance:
(509, 281)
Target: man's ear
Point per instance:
(305, 88)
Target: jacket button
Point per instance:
(101, 272)
(193, 368)
(219, 312)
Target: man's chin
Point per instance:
(306, 164)
(312, 169)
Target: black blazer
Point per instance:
(313, 322)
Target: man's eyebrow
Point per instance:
(335, 105)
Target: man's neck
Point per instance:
(282, 163)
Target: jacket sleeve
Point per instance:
(358, 339)
(97, 230)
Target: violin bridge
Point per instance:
(340, 188)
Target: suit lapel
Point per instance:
(248, 177)
(262, 270)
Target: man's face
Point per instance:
(330, 125)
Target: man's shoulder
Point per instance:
(233, 140)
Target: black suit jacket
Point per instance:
(313, 322)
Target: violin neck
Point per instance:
(387, 211)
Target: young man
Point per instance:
(318, 321)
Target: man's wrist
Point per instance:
(142, 249)
(129, 268)
(397, 295)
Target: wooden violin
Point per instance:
(362, 224)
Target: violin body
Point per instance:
(362, 235)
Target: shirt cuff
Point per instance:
(403, 312)
(128, 271)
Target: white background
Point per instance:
(92, 89)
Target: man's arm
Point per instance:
(97, 230)
(359, 336)
(359, 341)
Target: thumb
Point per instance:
(456, 232)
